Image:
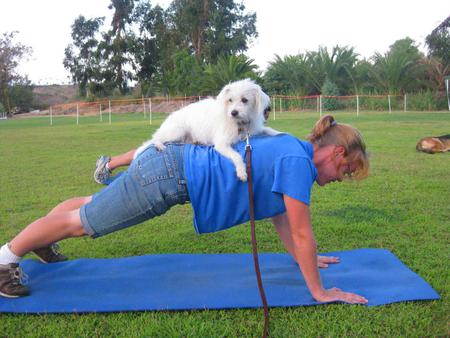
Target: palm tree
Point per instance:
(228, 69)
(436, 72)
(398, 70)
(288, 75)
(338, 67)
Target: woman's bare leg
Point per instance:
(62, 222)
(121, 160)
(71, 204)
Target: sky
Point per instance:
(285, 27)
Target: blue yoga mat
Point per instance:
(207, 281)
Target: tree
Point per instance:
(155, 47)
(435, 73)
(145, 47)
(10, 80)
(288, 75)
(364, 77)
(118, 43)
(227, 69)
(338, 66)
(398, 70)
(187, 76)
(229, 30)
(438, 42)
(82, 57)
(211, 28)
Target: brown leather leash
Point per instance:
(248, 162)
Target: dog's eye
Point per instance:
(244, 100)
(230, 100)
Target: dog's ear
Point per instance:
(262, 101)
(222, 95)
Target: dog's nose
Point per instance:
(234, 113)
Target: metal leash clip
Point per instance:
(247, 141)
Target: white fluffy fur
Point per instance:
(220, 122)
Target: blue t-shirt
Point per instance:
(281, 164)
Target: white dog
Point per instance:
(239, 108)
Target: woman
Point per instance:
(284, 170)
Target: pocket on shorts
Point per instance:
(153, 166)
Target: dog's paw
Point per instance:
(242, 174)
(160, 146)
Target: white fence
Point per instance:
(351, 103)
(107, 111)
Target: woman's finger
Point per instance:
(328, 259)
(354, 298)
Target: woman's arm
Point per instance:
(295, 230)
(281, 224)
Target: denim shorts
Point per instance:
(153, 183)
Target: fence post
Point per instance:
(448, 97)
(100, 112)
(143, 102)
(404, 103)
(51, 116)
(357, 105)
(150, 110)
(78, 114)
(109, 111)
(274, 99)
(320, 105)
(280, 105)
(389, 102)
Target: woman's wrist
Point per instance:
(318, 293)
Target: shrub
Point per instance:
(427, 100)
(330, 89)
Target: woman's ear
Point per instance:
(339, 151)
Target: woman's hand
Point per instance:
(335, 294)
(323, 261)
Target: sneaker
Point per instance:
(12, 280)
(102, 173)
(50, 254)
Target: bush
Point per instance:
(426, 101)
(330, 89)
(2, 108)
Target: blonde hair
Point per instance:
(327, 131)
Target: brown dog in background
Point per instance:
(432, 145)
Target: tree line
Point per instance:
(196, 47)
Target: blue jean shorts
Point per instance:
(153, 183)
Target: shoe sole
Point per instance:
(10, 296)
(42, 261)
(47, 262)
(95, 178)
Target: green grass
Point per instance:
(403, 206)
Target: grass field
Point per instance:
(403, 206)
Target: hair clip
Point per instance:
(333, 123)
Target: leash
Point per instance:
(248, 163)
